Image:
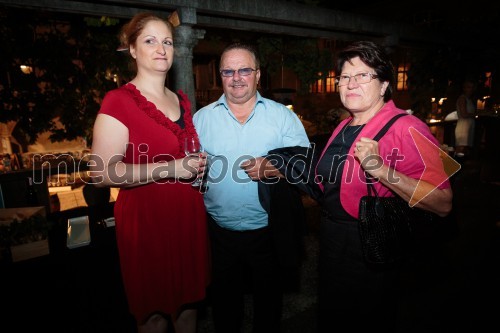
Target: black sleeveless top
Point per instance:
(331, 167)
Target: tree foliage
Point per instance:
(71, 60)
(301, 55)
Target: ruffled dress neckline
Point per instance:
(152, 111)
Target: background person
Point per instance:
(160, 218)
(354, 296)
(466, 111)
(234, 131)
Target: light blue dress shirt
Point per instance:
(232, 198)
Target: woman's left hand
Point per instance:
(366, 151)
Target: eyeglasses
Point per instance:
(361, 78)
(241, 72)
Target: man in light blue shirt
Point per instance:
(233, 200)
(235, 132)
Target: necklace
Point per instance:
(355, 131)
(359, 126)
(339, 146)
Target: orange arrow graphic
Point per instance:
(437, 170)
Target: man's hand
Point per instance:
(260, 168)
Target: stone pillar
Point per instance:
(185, 39)
(390, 43)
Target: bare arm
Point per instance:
(426, 196)
(110, 139)
(437, 201)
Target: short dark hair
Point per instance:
(242, 46)
(372, 55)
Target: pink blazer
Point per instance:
(398, 140)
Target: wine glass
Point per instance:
(192, 147)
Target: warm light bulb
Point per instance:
(26, 69)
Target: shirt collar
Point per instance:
(223, 101)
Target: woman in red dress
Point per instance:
(160, 218)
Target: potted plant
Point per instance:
(24, 239)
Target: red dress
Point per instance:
(160, 227)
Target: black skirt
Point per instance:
(352, 295)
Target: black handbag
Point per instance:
(389, 226)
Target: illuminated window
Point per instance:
(320, 86)
(402, 83)
(330, 82)
(317, 87)
(326, 85)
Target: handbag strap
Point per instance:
(377, 137)
(388, 125)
